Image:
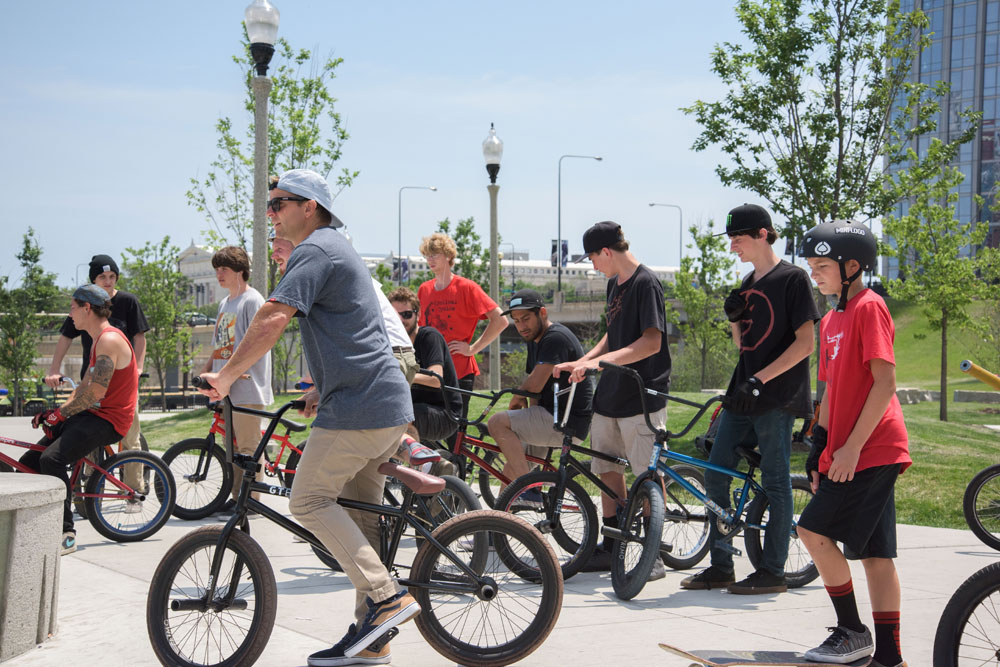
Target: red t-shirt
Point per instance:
(119, 403)
(848, 342)
(455, 311)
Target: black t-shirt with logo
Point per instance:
(126, 315)
(430, 348)
(633, 307)
(777, 305)
(557, 345)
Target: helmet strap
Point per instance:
(845, 282)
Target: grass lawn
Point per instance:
(946, 455)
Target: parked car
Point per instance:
(194, 319)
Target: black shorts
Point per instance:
(432, 422)
(861, 513)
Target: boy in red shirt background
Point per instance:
(860, 446)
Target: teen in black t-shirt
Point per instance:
(772, 315)
(126, 315)
(431, 349)
(636, 337)
(522, 424)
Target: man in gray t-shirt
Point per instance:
(361, 400)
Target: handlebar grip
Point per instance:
(591, 372)
(198, 383)
(980, 374)
(621, 369)
(298, 405)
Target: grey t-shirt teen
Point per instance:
(344, 336)
(232, 323)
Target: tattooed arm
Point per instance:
(112, 352)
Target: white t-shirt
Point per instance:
(393, 325)
(233, 321)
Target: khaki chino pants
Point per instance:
(344, 464)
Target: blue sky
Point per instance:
(109, 109)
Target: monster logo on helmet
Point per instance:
(842, 240)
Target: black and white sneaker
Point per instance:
(842, 646)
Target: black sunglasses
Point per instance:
(274, 203)
(406, 314)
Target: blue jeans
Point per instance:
(773, 431)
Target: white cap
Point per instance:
(307, 183)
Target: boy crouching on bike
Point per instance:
(859, 448)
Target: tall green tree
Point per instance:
(151, 273)
(929, 244)
(820, 107)
(20, 323)
(304, 132)
(701, 286)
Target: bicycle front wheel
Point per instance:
(233, 628)
(969, 630)
(642, 527)
(204, 479)
(128, 517)
(685, 521)
(981, 506)
(799, 567)
(502, 617)
(532, 497)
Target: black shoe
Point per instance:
(711, 577)
(600, 561)
(759, 582)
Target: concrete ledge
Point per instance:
(965, 396)
(31, 509)
(911, 396)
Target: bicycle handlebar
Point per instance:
(493, 397)
(661, 434)
(980, 374)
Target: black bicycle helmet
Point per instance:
(842, 240)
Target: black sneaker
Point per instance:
(381, 618)
(711, 577)
(377, 653)
(759, 582)
(600, 561)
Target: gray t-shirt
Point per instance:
(231, 325)
(344, 336)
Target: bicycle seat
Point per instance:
(293, 427)
(419, 482)
(751, 455)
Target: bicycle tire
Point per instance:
(200, 493)
(112, 517)
(469, 630)
(486, 480)
(5, 467)
(576, 533)
(686, 521)
(177, 636)
(632, 559)
(799, 568)
(981, 506)
(961, 618)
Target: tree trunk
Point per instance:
(944, 366)
(704, 363)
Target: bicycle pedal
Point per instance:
(614, 533)
(728, 548)
(379, 643)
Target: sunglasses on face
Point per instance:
(275, 203)
(406, 314)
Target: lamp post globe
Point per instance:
(261, 20)
(492, 153)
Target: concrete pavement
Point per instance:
(103, 589)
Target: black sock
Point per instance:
(609, 543)
(844, 604)
(887, 638)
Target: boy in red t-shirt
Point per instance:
(859, 448)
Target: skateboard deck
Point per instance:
(715, 658)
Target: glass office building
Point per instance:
(965, 52)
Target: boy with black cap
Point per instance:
(127, 316)
(636, 337)
(521, 425)
(772, 315)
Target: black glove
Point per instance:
(735, 305)
(815, 450)
(745, 396)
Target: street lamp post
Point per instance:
(680, 232)
(492, 152)
(512, 279)
(261, 20)
(559, 257)
(399, 232)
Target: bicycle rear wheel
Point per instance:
(204, 479)
(969, 630)
(125, 517)
(799, 567)
(506, 618)
(489, 486)
(642, 528)
(685, 521)
(531, 497)
(232, 629)
(981, 506)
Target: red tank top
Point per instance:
(119, 403)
